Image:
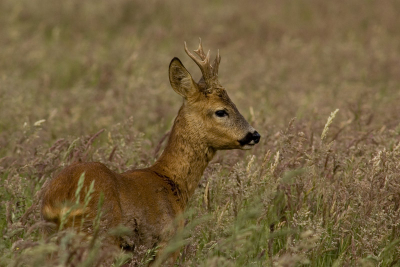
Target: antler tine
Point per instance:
(200, 50)
(207, 59)
(215, 66)
(195, 59)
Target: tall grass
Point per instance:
(87, 80)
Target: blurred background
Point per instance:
(85, 65)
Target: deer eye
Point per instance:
(221, 113)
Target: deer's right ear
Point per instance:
(180, 79)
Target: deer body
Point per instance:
(149, 200)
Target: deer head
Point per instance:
(207, 109)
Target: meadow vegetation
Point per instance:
(88, 80)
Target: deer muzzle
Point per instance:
(250, 139)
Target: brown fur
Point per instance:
(148, 200)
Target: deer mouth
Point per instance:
(249, 140)
(247, 147)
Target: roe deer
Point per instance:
(148, 200)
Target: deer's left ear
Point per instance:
(181, 80)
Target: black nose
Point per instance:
(249, 138)
(256, 137)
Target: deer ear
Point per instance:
(180, 79)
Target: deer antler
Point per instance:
(210, 72)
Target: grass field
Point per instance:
(88, 80)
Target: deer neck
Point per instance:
(185, 157)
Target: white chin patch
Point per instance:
(248, 146)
